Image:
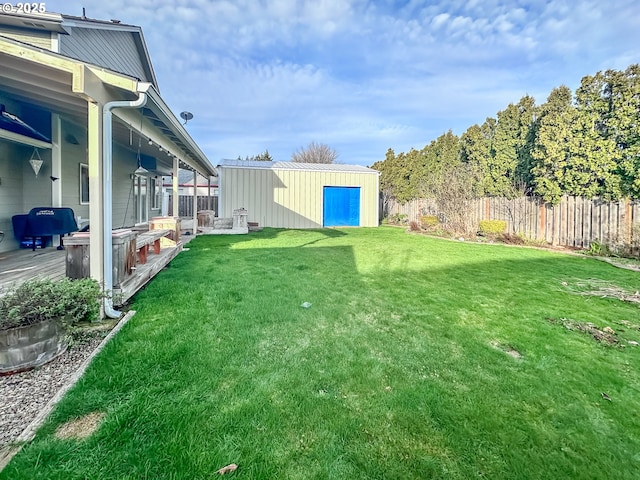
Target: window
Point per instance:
(156, 190)
(84, 184)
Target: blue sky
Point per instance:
(363, 76)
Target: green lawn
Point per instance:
(403, 367)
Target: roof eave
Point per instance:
(202, 163)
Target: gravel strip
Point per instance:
(23, 395)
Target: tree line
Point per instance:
(585, 144)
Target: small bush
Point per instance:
(38, 300)
(492, 227)
(513, 239)
(599, 249)
(399, 219)
(413, 226)
(429, 222)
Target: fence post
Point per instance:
(542, 224)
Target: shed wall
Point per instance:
(291, 198)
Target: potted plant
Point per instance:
(35, 317)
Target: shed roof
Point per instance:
(314, 167)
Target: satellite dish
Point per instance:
(186, 116)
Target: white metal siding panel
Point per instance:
(111, 49)
(32, 37)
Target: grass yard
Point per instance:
(419, 358)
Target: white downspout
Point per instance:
(107, 170)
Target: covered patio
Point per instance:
(121, 133)
(18, 266)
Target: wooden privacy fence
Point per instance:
(185, 204)
(574, 222)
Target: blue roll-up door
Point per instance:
(341, 207)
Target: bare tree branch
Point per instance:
(315, 153)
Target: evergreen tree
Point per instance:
(622, 120)
(476, 150)
(551, 147)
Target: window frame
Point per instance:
(84, 177)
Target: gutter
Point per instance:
(107, 182)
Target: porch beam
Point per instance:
(23, 139)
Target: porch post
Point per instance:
(56, 166)
(174, 187)
(56, 160)
(195, 202)
(96, 193)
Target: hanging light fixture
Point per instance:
(140, 170)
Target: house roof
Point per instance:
(59, 83)
(72, 24)
(83, 46)
(317, 167)
(48, 21)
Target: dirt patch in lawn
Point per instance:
(509, 350)
(80, 428)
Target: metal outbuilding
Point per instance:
(299, 195)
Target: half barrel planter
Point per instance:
(30, 346)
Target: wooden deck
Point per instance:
(18, 266)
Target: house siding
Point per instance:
(111, 49)
(124, 205)
(11, 158)
(291, 198)
(40, 39)
(72, 157)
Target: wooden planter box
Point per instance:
(124, 255)
(24, 348)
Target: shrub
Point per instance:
(599, 249)
(513, 239)
(492, 227)
(413, 226)
(429, 222)
(399, 219)
(37, 300)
